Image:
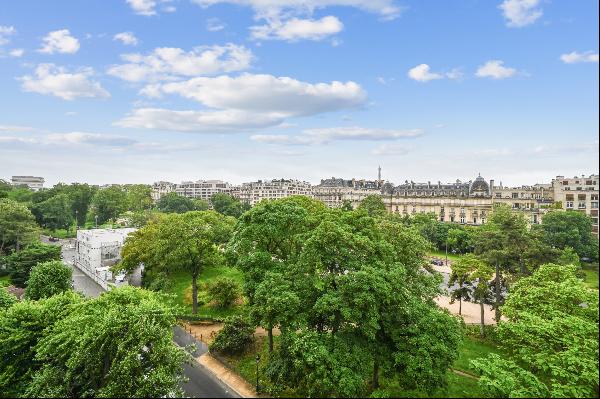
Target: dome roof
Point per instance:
(479, 187)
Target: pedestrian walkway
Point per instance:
(471, 312)
(234, 381)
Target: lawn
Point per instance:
(458, 386)
(181, 287)
(591, 274)
(4, 281)
(442, 255)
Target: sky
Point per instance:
(138, 91)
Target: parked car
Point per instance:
(53, 239)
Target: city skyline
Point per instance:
(137, 91)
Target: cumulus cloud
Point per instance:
(17, 52)
(52, 80)
(59, 41)
(422, 73)
(327, 135)
(5, 33)
(495, 69)
(295, 29)
(127, 38)
(166, 62)
(148, 7)
(91, 139)
(519, 13)
(575, 57)
(214, 25)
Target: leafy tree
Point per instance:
(173, 203)
(22, 326)
(551, 337)
(20, 194)
(227, 205)
(80, 196)
(5, 188)
(6, 299)
(570, 229)
(235, 337)
(347, 206)
(139, 197)
(109, 203)
(374, 205)
(117, 345)
(224, 291)
(190, 242)
(55, 212)
(568, 256)
(17, 225)
(47, 279)
(461, 272)
(20, 263)
(200, 205)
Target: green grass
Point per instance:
(4, 281)
(473, 348)
(181, 287)
(442, 255)
(591, 274)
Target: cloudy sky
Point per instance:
(129, 91)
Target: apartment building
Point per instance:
(579, 194)
(162, 188)
(254, 192)
(32, 182)
(333, 192)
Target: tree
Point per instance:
(22, 327)
(551, 337)
(224, 291)
(189, 242)
(461, 271)
(55, 212)
(227, 205)
(200, 205)
(235, 337)
(47, 279)
(20, 263)
(117, 345)
(20, 194)
(374, 205)
(173, 203)
(6, 299)
(81, 197)
(139, 197)
(109, 203)
(17, 225)
(570, 229)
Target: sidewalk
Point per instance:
(235, 382)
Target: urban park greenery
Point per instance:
(47, 279)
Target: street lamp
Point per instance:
(96, 217)
(446, 252)
(76, 220)
(257, 360)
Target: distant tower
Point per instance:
(379, 173)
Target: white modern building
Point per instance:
(33, 182)
(203, 189)
(254, 192)
(97, 250)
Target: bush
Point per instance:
(6, 299)
(235, 337)
(490, 331)
(160, 282)
(224, 291)
(48, 279)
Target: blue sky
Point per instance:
(144, 90)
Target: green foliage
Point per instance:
(118, 345)
(551, 337)
(80, 196)
(373, 205)
(47, 279)
(20, 263)
(235, 337)
(17, 225)
(224, 291)
(139, 197)
(568, 256)
(200, 205)
(173, 203)
(20, 194)
(54, 213)
(570, 229)
(6, 299)
(160, 282)
(22, 327)
(226, 205)
(109, 203)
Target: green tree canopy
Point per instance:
(17, 225)
(374, 205)
(20, 263)
(55, 212)
(139, 197)
(6, 299)
(109, 203)
(224, 291)
(570, 229)
(227, 205)
(47, 279)
(173, 203)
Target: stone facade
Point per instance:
(254, 192)
(203, 189)
(578, 193)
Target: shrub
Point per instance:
(6, 299)
(160, 282)
(48, 279)
(235, 337)
(224, 291)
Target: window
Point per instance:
(588, 183)
(594, 205)
(462, 219)
(515, 195)
(581, 197)
(570, 197)
(594, 197)
(581, 205)
(569, 204)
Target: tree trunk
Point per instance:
(497, 293)
(460, 305)
(194, 293)
(481, 329)
(270, 332)
(375, 374)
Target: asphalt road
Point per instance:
(201, 383)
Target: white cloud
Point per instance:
(327, 135)
(391, 149)
(166, 62)
(387, 9)
(52, 80)
(268, 94)
(495, 69)
(421, 73)
(519, 13)
(17, 52)
(9, 128)
(6, 140)
(295, 29)
(575, 57)
(127, 38)
(148, 7)
(5, 32)
(214, 25)
(60, 41)
(91, 139)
